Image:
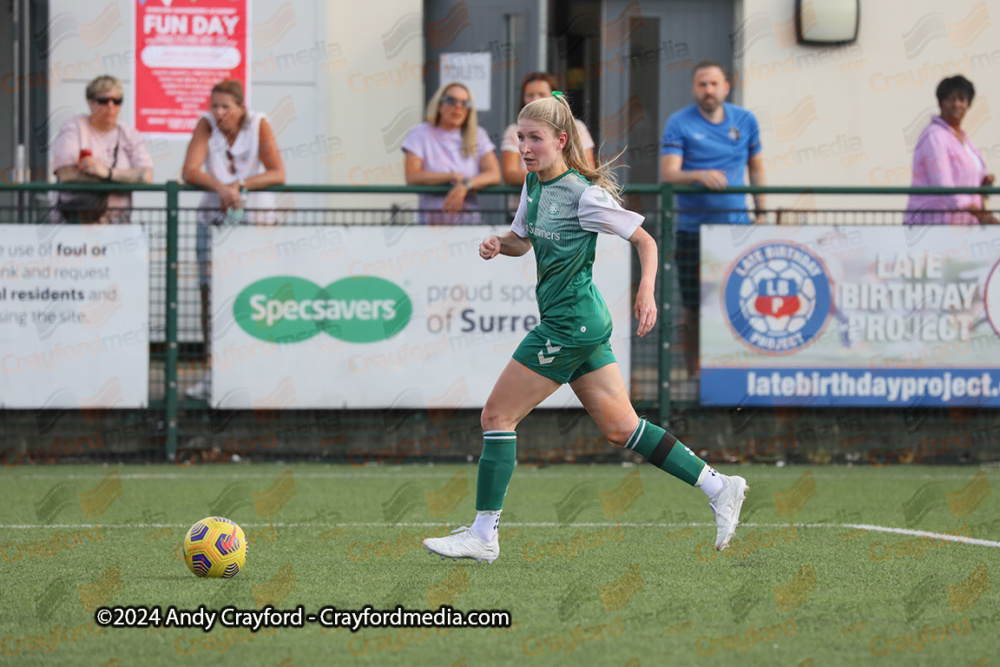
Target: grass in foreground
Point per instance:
(599, 565)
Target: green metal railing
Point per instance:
(665, 194)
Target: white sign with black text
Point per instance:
(74, 316)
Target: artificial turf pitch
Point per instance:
(599, 565)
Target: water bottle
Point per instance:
(234, 216)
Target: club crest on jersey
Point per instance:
(553, 208)
(777, 297)
(734, 133)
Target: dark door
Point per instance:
(664, 42)
(24, 114)
(509, 32)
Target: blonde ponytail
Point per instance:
(556, 112)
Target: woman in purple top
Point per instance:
(96, 148)
(945, 157)
(450, 148)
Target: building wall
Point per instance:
(376, 93)
(319, 70)
(343, 82)
(851, 115)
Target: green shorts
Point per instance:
(545, 355)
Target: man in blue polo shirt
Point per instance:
(709, 143)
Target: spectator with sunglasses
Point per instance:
(96, 148)
(232, 154)
(450, 148)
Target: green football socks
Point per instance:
(496, 466)
(665, 452)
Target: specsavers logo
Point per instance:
(359, 309)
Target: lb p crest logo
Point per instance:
(777, 297)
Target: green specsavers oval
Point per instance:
(285, 309)
(364, 309)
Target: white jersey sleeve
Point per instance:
(599, 212)
(518, 226)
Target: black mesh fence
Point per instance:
(45, 436)
(389, 436)
(369, 436)
(916, 433)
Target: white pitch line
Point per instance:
(548, 472)
(921, 533)
(544, 524)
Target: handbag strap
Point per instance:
(114, 159)
(118, 140)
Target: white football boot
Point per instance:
(726, 507)
(463, 544)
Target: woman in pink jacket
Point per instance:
(945, 157)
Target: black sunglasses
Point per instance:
(117, 101)
(455, 102)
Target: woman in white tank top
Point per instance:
(232, 154)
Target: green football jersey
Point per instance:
(562, 218)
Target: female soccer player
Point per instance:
(564, 205)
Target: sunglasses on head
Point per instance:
(455, 102)
(117, 101)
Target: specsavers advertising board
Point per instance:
(410, 317)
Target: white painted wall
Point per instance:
(342, 84)
(337, 80)
(377, 93)
(850, 115)
(286, 53)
